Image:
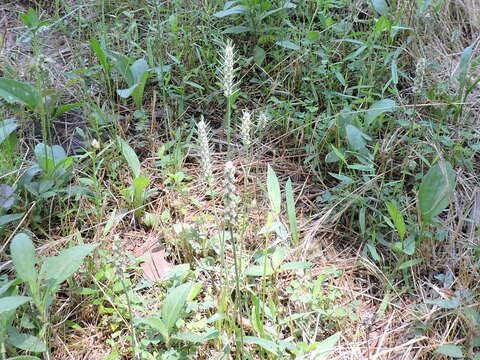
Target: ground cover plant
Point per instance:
(252, 179)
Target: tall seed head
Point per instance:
(262, 122)
(245, 128)
(120, 261)
(419, 75)
(231, 199)
(228, 69)
(203, 135)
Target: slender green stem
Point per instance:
(238, 305)
(228, 125)
(132, 326)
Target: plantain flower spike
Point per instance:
(228, 69)
(245, 128)
(203, 137)
(419, 75)
(262, 122)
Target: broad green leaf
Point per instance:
(335, 155)
(57, 152)
(122, 65)
(130, 156)
(378, 108)
(324, 349)
(174, 305)
(410, 263)
(273, 188)
(14, 91)
(139, 74)
(125, 93)
(5, 219)
(57, 269)
(140, 184)
(138, 69)
(102, 56)
(62, 109)
(239, 9)
(465, 60)
(397, 219)
(258, 55)
(7, 127)
(286, 5)
(278, 257)
(294, 317)
(342, 178)
(50, 158)
(373, 251)
(197, 338)
(258, 270)
(381, 7)
(288, 45)
(296, 265)
(24, 357)
(356, 138)
(268, 345)
(23, 257)
(451, 350)
(159, 325)
(435, 190)
(292, 216)
(12, 302)
(25, 341)
(452, 303)
(7, 196)
(5, 286)
(237, 29)
(409, 244)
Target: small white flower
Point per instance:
(245, 128)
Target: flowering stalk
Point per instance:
(419, 75)
(120, 268)
(228, 84)
(230, 214)
(245, 129)
(203, 135)
(262, 122)
(231, 199)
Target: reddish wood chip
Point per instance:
(155, 266)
